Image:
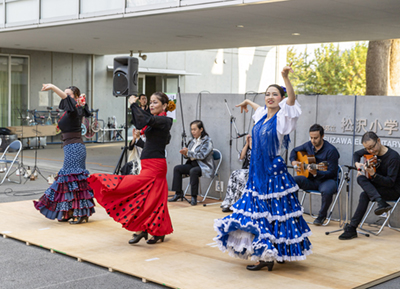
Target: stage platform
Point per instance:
(189, 257)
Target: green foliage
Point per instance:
(329, 71)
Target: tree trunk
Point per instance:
(383, 67)
(394, 80)
(377, 67)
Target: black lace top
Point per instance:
(157, 132)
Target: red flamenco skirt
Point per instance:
(138, 202)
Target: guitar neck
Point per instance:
(311, 167)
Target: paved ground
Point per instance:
(28, 267)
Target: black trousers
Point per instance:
(327, 188)
(371, 192)
(192, 169)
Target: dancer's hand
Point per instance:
(286, 70)
(132, 99)
(137, 133)
(243, 106)
(46, 87)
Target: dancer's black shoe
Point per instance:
(79, 220)
(138, 237)
(155, 239)
(261, 265)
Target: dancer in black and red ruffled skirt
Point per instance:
(69, 197)
(139, 202)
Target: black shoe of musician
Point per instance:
(227, 210)
(193, 201)
(319, 221)
(350, 232)
(383, 207)
(177, 196)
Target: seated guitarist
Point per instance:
(323, 181)
(381, 184)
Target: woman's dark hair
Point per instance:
(369, 135)
(199, 125)
(162, 97)
(281, 91)
(317, 127)
(75, 90)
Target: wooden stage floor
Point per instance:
(189, 257)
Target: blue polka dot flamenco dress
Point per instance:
(70, 195)
(266, 223)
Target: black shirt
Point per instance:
(157, 132)
(387, 173)
(71, 120)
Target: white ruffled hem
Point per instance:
(269, 216)
(273, 195)
(245, 236)
(236, 244)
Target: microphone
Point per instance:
(351, 167)
(242, 134)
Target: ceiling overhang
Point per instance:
(226, 24)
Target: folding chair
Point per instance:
(340, 183)
(9, 159)
(217, 156)
(386, 221)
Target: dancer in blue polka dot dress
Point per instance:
(70, 196)
(267, 223)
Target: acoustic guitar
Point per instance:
(370, 161)
(308, 162)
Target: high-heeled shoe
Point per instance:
(261, 265)
(155, 239)
(138, 237)
(79, 220)
(64, 220)
(281, 262)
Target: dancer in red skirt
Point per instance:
(139, 202)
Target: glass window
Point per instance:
(58, 8)
(1, 15)
(3, 91)
(106, 6)
(19, 87)
(14, 101)
(23, 11)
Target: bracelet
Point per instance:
(359, 169)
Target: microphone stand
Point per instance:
(183, 141)
(238, 135)
(124, 153)
(232, 123)
(347, 179)
(35, 167)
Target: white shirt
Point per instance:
(287, 118)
